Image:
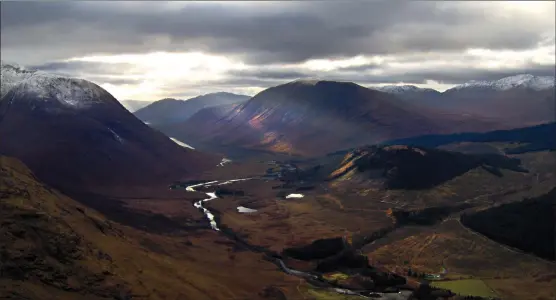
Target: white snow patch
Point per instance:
(400, 89)
(72, 92)
(11, 75)
(307, 81)
(518, 81)
(223, 162)
(181, 143)
(294, 196)
(243, 209)
(116, 136)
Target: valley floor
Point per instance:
(188, 263)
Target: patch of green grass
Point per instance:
(336, 276)
(467, 287)
(328, 295)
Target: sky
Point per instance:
(155, 50)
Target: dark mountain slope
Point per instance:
(403, 167)
(134, 105)
(75, 136)
(529, 225)
(517, 101)
(312, 118)
(517, 107)
(535, 138)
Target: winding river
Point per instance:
(402, 295)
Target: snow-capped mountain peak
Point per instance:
(399, 89)
(10, 75)
(70, 92)
(517, 81)
(307, 81)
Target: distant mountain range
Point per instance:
(522, 81)
(76, 136)
(69, 141)
(519, 100)
(303, 117)
(134, 105)
(172, 110)
(314, 117)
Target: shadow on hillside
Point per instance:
(405, 167)
(534, 138)
(116, 210)
(528, 225)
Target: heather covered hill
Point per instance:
(53, 247)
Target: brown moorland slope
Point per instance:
(357, 202)
(52, 247)
(463, 254)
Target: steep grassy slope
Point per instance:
(51, 247)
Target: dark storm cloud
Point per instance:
(446, 76)
(113, 81)
(269, 74)
(483, 74)
(79, 67)
(362, 68)
(262, 32)
(97, 72)
(234, 82)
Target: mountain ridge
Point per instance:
(76, 135)
(505, 83)
(170, 110)
(517, 101)
(307, 116)
(134, 105)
